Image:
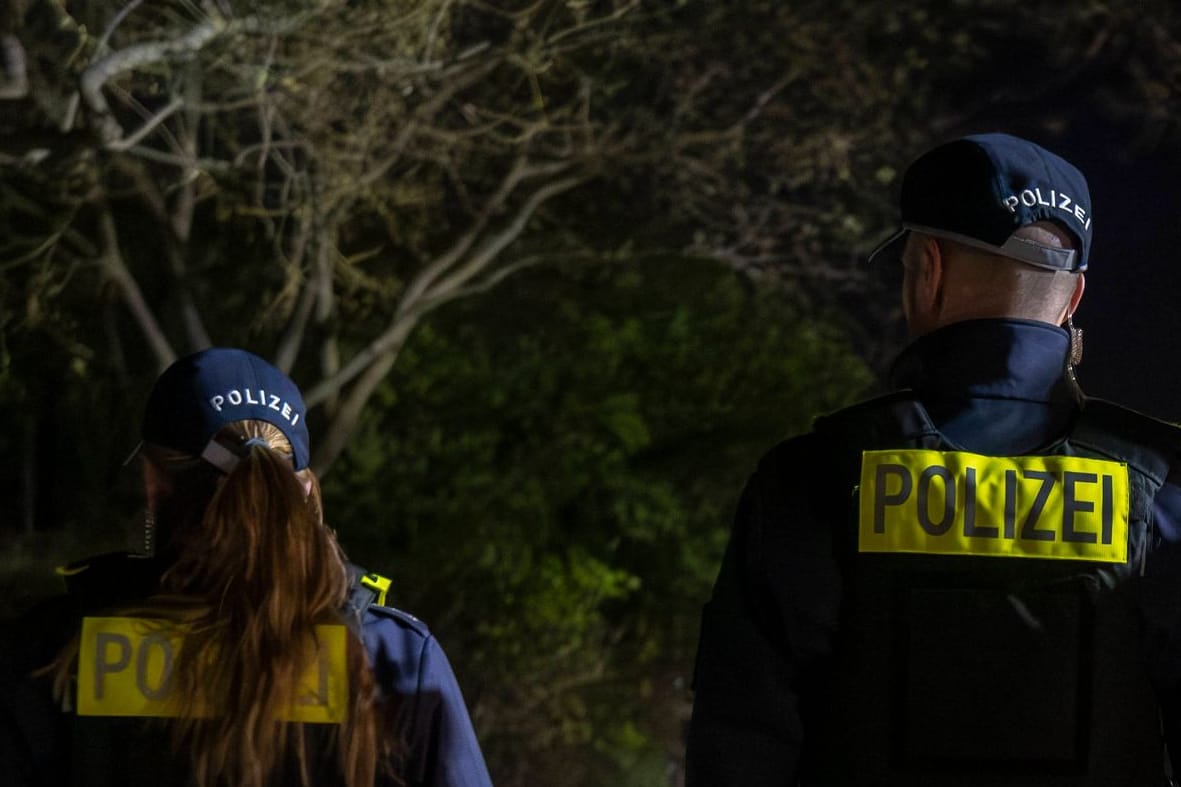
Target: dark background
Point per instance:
(1131, 354)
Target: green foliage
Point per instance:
(549, 477)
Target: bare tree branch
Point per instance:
(174, 228)
(492, 248)
(325, 311)
(420, 297)
(116, 268)
(99, 73)
(487, 283)
(293, 333)
(134, 138)
(16, 79)
(441, 264)
(116, 20)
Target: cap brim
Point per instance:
(890, 249)
(134, 453)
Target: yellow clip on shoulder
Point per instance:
(380, 584)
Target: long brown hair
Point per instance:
(253, 570)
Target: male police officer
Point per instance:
(973, 580)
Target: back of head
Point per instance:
(201, 393)
(1011, 219)
(983, 284)
(204, 415)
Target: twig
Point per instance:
(16, 78)
(130, 141)
(102, 71)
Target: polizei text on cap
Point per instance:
(255, 396)
(1031, 198)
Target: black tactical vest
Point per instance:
(97, 751)
(971, 670)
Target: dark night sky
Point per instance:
(1130, 352)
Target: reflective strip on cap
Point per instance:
(1020, 249)
(220, 457)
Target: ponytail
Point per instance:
(253, 571)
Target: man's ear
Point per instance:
(1079, 286)
(930, 279)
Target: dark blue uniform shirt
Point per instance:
(433, 719)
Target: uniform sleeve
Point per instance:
(15, 751)
(766, 633)
(445, 748)
(34, 733)
(31, 734)
(1161, 610)
(436, 731)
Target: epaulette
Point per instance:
(403, 618)
(110, 577)
(1148, 444)
(366, 589)
(883, 420)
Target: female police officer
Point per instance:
(238, 650)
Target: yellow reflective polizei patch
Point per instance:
(125, 664)
(956, 503)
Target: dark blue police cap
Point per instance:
(978, 190)
(199, 394)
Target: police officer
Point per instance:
(973, 580)
(239, 647)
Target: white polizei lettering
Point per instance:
(1033, 197)
(256, 396)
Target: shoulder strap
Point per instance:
(101, 580)
(889, 420)
(1150, 446)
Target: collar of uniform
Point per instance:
(1022, 360)
(112, 577)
